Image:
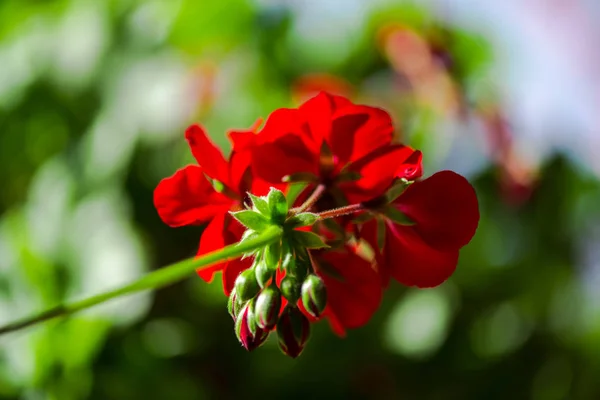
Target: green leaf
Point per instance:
(252, 219)
(260, 204)
(277, 205)
(309, 240)
(397, 216)
(302, 219)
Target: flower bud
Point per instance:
(293, 330)
(290, 289)
(246, 285)
(314, 295)
(266, 310)
(248, 333)
(234, 304)
(264, 273)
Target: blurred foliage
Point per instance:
(94, 97)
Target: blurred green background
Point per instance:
(94, 99)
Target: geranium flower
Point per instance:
(190, 196)
(331, 141)
(445, 214)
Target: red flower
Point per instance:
(446, 214)
(346, 147)
(189, 196)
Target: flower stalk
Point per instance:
(153, 280)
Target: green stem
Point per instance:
(156, 279)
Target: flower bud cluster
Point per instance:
(281, 286)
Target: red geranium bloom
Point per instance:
(190, 198)
(330, 140)
(446, 214)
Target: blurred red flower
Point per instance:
(445, 213)
(329, 140)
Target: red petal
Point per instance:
(187, 198)
(220, 232)
(358, 130)
(240, 174)
(353, 287)
(444, 208)
(318, 112)
(378, 170)
(207, 154)
(413, 262)
(287, 155)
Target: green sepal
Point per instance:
(300, 177)
(397, 216)
(348, 176)
(397, 189)
(302, 219)
(277, 205)
(294, 191)
(251, 219)
(309, 240)
(260, 204)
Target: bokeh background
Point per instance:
(94, 99)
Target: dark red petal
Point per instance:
(358, 130)
(353, 287)
(187, 198)
(444, 208)
(412, 261)
(208, 156)
(220, 232)
(412, 167)
(287, 155)
(378, 170)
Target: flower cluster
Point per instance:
(363, 217)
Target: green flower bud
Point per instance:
(268, 305)
(293, 331)
(290, 289)
(264, 274)
(234, 305)
(246, 286)
(314, 295)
